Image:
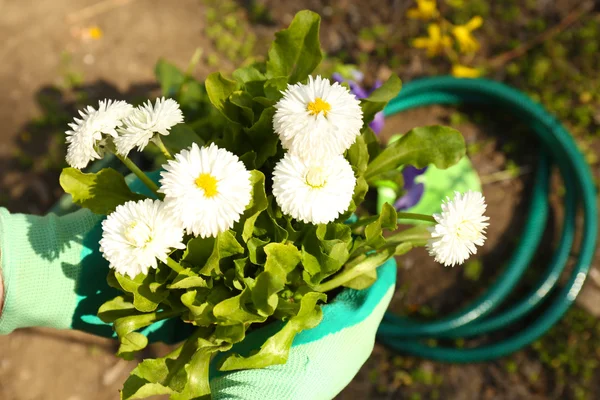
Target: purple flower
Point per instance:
(414, 191)
(362, 93)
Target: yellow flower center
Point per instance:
(208, 183)
(138, 234)
(315, 107)
(316, 177)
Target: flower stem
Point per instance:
(174, 265)
(419, 217)
(159, 143)
(140, 174)
(401, 215)
(365, 264)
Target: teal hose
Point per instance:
(483, 315)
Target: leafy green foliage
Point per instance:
(439, 145)
(296, 51)
(380, 97)
(180, 137)
(99, 192)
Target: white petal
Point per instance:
(460, 228)
(86, 135)
(138, 233)
(146, 120)
(203, 215)
(317, 136)
(313, 204)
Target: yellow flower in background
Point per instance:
(95, 33)
(435, 43)
(461, 71)
(462, 33)
(426, 9)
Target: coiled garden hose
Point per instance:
(482, 315)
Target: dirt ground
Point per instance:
(48, 43)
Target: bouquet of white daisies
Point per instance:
(257, 211)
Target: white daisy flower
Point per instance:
(138, 233)
(460, 227)
(207, 189)
(318, 119)
(86, 137)
(315, 192)
(145, 121)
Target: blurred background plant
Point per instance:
(456, 42)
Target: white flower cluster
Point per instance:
(206, 190)
(128, 127)
(316, 122)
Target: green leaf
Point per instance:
(125, 328)
(281, 260)
(130, 344)
(248, 74)
(438, 145)
(256, 250)
(180, 137)
(263, 138)
(274, 87)
(188, 282)
(257, 205)
(243, 100)
(362, 281)
(325, 249)
(169, 76)
(372, 142)
(388, 219)
(200, 309)
(197, 385)
(164, 375)
(219, 89)
(296, 51)
(235, 310)
(364, 266)
(276, 348)
(206, 253)
(380, 97)
(358, 156)
(99, 192)
(147, 294)
(115, 309)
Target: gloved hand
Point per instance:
(323, 360)
(54, 275)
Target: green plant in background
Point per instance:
(455, 42)
(230, 32)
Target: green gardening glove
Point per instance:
(54, 275)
